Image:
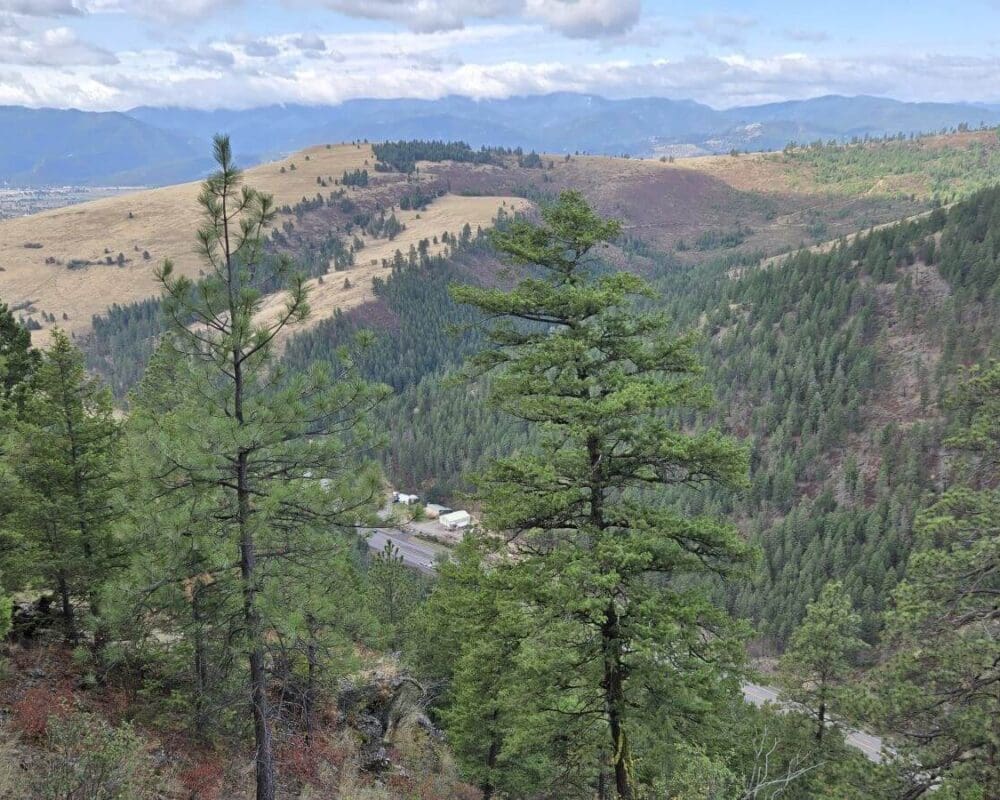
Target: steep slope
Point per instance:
(56, 265)
(64, 266)
(831, 364)
(74, 262)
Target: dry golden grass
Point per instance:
(750, 172)
(448, 213)
(163, 223)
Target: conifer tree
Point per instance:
(17, 357)
(393, 591)
(627, 641)
(941, 689)
(818, 658)
(17, 362)
(269, 465)
(64, 455)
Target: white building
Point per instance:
(456, 520)
(404, 499)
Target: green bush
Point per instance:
(87, 759)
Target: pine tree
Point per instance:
(64, 454)
(622, 636)
(467, 636)
(393, 591)
(17, 358)
(819, 654)
(270, 464)
(17, 363)
(941, 689)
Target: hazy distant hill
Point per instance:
(157, 146)
(838, 116)
(57, 147)
(566, 122)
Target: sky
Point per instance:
(116, 54)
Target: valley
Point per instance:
(66, 265)
(765, 363)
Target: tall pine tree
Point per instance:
(624, 629)
(64, 454)
(271, 465)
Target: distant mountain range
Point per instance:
(156, 146)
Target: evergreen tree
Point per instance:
(393, 592)
(941, 688)
(270, 464)
(64, 455)
(17, 358)
(17, 362)
(629, 643)
(818, 658)
(468, 636)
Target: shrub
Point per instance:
(41, 704)
(203, 780)
(87, 759)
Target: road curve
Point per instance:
(870, 745)
(422, 556)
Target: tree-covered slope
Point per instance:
(833, 364)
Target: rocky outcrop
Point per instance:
(381, 707)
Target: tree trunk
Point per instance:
(614, 701)
(308, 701)
(822, 721)
(489, 787)
(264, 755)
(992, 788)
(613, 683)
(602, 777)
(80, 491)
(200, 665)
(69, 620)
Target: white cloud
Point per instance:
(157, 10)
(55, 47)
(586, 18)
(488, 59)
(574, 18)
(421, 69)
(9, 26)
(309, 41)
(206, 56)
(426, 16)
(42, 8)
(259, 48)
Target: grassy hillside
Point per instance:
(944, 167)
(64, 266)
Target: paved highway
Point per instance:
(416, 552)
(867, 743)
(422, 555)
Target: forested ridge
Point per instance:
(676, 466)
(798, 355)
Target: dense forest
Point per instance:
(676, 467)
